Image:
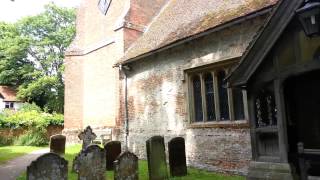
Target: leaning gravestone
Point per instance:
(177, 157)
(126, 167)
(87, 136)
(58, 144)
(113, 149)
(92, 163)
(48, 166)
(157, 165)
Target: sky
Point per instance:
(11, 11)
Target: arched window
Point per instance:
(197, 98)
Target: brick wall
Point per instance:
(157, 101)
(140, 14)
(91, 82)
(91, 96)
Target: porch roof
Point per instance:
(259, 48)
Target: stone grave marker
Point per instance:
(75, 164)
(113, 149)
(48, 166)
(177, 157)
(87, 136)
(58, 144)
(126, 167)
(157, 164)
(92, 163)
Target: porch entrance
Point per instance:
(302, 98)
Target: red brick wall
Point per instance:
(141, 13)
(91, 83)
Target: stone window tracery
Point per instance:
(210, 100)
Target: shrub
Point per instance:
(34, 137)
(29, 115)
(5, 141)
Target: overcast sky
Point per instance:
(10, 11)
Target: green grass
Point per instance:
(11, 152)
(193, 174)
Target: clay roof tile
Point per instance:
(184, 18)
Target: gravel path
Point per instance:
(13, 168)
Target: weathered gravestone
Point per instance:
(58, 143)
(48, 166)
(75, 164)
(113, 149)
(177, 157)
(126, 167)
(157, 165)
(92, 163)
(87, 136)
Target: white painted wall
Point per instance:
(16, 105)
(2, 104)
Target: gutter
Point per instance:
(201, 34)
(123, 69)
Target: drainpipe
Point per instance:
(126, 124)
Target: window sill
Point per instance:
(239, 124)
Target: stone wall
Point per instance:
(158, 104)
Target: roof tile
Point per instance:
(184, 18)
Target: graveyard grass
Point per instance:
(193, 174)
(11, 152)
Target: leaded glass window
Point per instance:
(208, 79)
(223, 97)
(238, 105)
(103, 6)
(212, 100)
(197, 98)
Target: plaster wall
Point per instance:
(158, 102)
(2, 104)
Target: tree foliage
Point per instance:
(32, 53)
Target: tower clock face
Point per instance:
(104, 6)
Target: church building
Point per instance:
(230, 77)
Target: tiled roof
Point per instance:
(8, 93)
(180, 19)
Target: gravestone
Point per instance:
(75, 164)
(92, 163)
(177, 157)
(157, 165)
(58, 144)
(48, 166)
(126, 167)
(87, 136)
(113, 149)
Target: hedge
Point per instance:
(29, 115)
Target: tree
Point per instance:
(15, 67)
(34, 59)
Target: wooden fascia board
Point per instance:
(263, 43)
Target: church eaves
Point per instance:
(182, 19)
